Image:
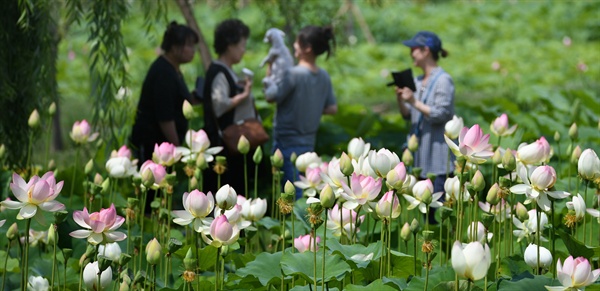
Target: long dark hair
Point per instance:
(177, 35)
(319, 38)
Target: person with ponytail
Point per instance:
(429, 108)
(159, 115)
(302, 97)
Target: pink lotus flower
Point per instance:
(340, 222)
(388, 205)
(500, 126)
(197, 207)
(122, 152)
(305, 243)
(363, 189)
(575, 273)
(234, 216)
(472, 144)
(38, 193)
(333, 176)
(222, 232)
(537, 186)
(198, 144)
(382, 161)
(158, 171)
(311, 183)
(82, 132)
(423, 196)
(100, 227)
(165, 154)
(534, 153)
(396, 176)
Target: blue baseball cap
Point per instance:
(425, 38)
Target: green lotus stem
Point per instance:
(74, 175)
(245, 176)
(585, 198)
(98, 281)
(273, 193)
(447, 241)
(537, 233)
(255, 181)
(415, 250)
(26, 254)
(383, 245)
(217, 270)
(53, 264)
(448, 164)
(324, 244)
(570, 169)
(441, 224)
(460, 201)
(552, 237)
(48, 137)
(355, 235)
(283, 233)
(294, 229)
(469, 285)
(389, 247)
(142, 216)
(314, 233)
(426, 270)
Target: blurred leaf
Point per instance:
(354, 253)
(402, 264)
(526, 282)
(375, 285)
(577, 248)
(265, 268)
(12, 265)
(303, 264)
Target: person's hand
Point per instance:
(247, 86)
(407, 95)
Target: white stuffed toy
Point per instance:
(279, 57)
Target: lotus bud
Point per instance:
(508, 161)
(478, 181)
(34, 119)
(405, 232)
(2, 151)
(89, 167)
(289, 189)
(573, 131)
(258, 155)
(575, 155)
(124, 286)
(201, 162)
(106, 186)
(414, 226)
(293, 157)
(327, 197)
(521, 212)
(413, 143)
(497, 157)
(51, 164)
(226, 197)
(531, 258)
(52, 109)
(90, 277)
(194, 183)
(407, 158)
(148, 178)
(277, 159)
(396, 176)
(557, 136)
(346, 165)
(188, 110)
(12, 232)
(492, 195)
(98, 179)
(153, 252)
(189, 262)
(569, 149)
(243, 145)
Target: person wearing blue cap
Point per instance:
(429, 108)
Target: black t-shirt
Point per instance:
(163, 93)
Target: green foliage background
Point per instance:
(538, 83)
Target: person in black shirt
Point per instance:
(159, 115)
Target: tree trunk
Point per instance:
(203, 49)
